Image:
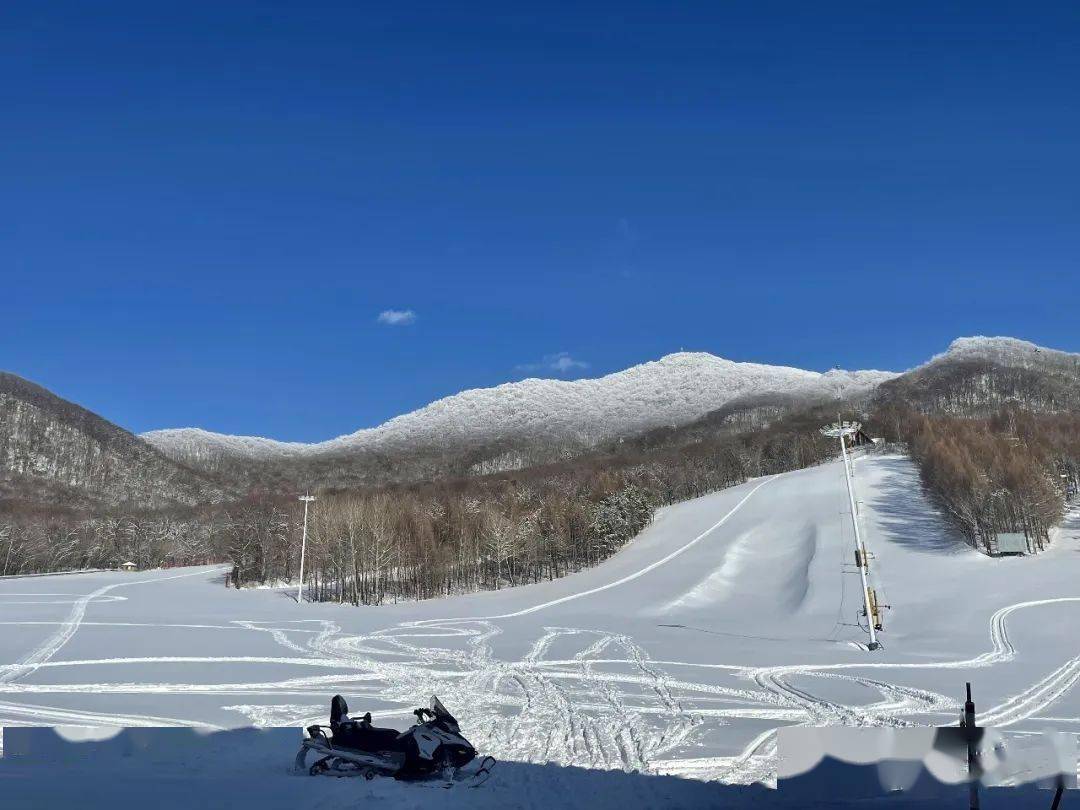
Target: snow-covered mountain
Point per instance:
(1006, 351)
(673, 390)
(57, 453)
(978, 375)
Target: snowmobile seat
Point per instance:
(366, 738)
(359, 735)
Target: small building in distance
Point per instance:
(128, 566)
(859, 438)
(1011, 544)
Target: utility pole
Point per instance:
(842, 430)
(307, 499)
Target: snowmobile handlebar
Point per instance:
(421, 712)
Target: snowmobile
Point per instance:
(432, 747)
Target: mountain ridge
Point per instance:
(982, 347)
(977, 375)
(53, 450)
(676, 388)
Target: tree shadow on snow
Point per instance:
(907, 517)
(1071, 522)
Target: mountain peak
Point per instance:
(1001, 349)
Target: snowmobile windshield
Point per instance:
(440, 710)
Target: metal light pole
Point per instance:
(842, 430)
(307, 499)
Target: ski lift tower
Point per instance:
(841, 430)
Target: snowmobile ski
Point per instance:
(483, 773)
(462, 778)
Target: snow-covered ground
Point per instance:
(730, 615)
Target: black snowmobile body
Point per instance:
(359, 735)
(357, 748)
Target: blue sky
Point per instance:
(205, 207)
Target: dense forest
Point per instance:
(37, 541)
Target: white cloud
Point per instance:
(396, 317)
(560, 363)
(563, 362)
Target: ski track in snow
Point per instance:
(608, 705)
(55, 642)
(601, 701)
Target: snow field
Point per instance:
(729, 616)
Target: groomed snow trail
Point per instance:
(611, 668)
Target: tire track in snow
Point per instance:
(18, 714)
(361, 653)
(1018, 707)
(588, 721)
(607, 705)
(52, 645)
(1035, 698)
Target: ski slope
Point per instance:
(730, 615)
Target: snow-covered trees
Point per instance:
(367, 545)
(1008, 472)
(674, 390)
(33, 542)
(53, 451)
(468, 534)
(619, 517)
(500, 545)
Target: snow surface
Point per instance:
(729, 616)
(674, 390)
(242, 770)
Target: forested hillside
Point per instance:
(510, 426)
(53, 452)
(992, 424)
(977, 376)
(506, 529)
